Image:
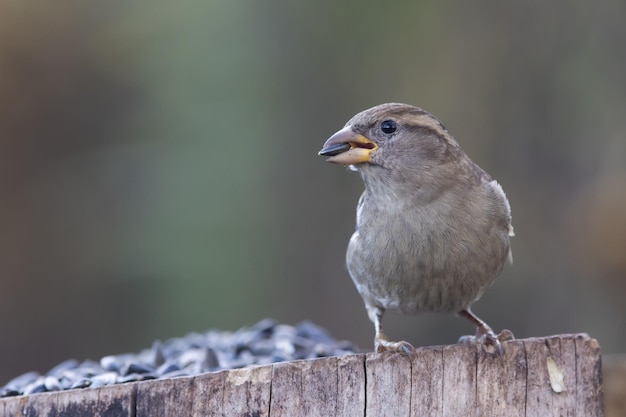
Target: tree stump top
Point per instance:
(553, 376)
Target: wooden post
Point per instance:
(554, 376)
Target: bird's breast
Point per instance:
(434, 257)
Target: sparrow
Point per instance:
(432, 228)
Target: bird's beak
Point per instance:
(347, 147)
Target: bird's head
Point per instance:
(392, 136)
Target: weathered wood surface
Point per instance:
(554, 376)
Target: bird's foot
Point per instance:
(382, 344)
(490, 342)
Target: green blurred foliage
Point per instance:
(159, 174)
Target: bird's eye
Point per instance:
(388, 126)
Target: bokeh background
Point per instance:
(159, 170)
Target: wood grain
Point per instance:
(552, 376)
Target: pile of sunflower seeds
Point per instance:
(265, 342)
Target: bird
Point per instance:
(432, 229)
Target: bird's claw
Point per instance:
(490, 342)
(382, 344)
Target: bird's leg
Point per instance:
(484, 334)
(381, 342)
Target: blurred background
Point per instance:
(159, 171)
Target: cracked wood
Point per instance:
(553, 376)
